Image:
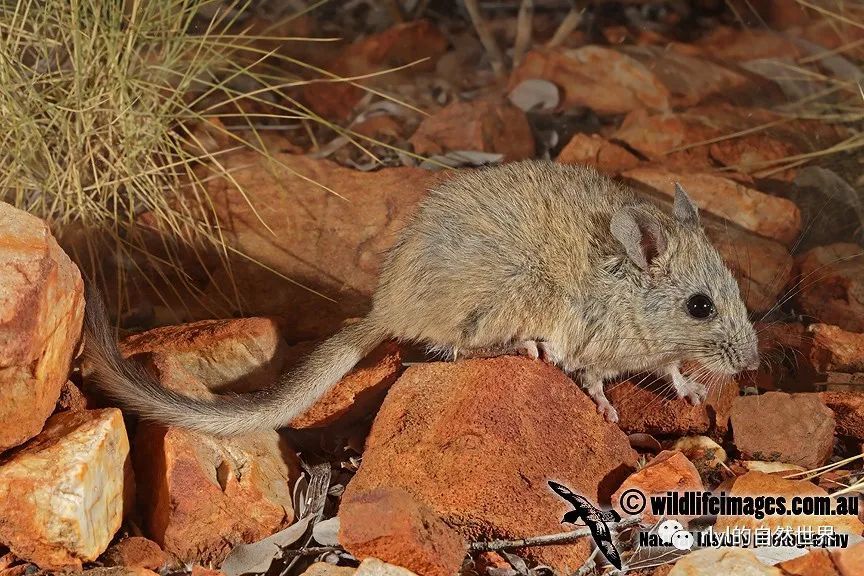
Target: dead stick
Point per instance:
(486, 38)
(570, 22)
(310, 551)
(524, 25)
(547, 540)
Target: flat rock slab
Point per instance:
(791, 428)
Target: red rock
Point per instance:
(604, 80)
(669, 471)
(701, 137)
(389, 524)
(761, 484)
(817, 562)
(770, 427)
(62, 494)
(849, 561)
(834, 349)
(71, 398)
(471, 440)
(198, 570)
(831, 285)
(400, 45)
(331, 244)
(358, 393)
(748, 44)
(766, 215)
(688, 79)
(134, 552)
(593, 150)
(648, 407)
(848, 408)
(201, 495)
(484, 125)
(41, 308)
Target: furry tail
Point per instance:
(138, 392)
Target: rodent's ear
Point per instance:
(639, 233)
(685, 210)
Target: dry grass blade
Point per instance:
(100, 108)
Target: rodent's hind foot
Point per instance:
(605, 409)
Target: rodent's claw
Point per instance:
(528, 348)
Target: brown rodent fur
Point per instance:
(535, 255)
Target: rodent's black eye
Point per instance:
(700, 306)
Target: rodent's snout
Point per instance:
(751, 359)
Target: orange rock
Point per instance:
(594, 150)
(134, 552)
(766, 215)
(201, 495)
(325, 569)
(477, 439)
(62, 494)
(400, 45)
(848, 408)
(725, 43)
(669, 471)
(71, 398)
(817, 562)
(484, 125)
(41, 306)
(849, 561)
(358, 393)
(699, 138)
(770, 427)
(329, 243)
(648, 407)
(689, 79)
(836, 350)
(761, 484)
(198, 570)
(604, 80)
(388, 524)
(831, 288)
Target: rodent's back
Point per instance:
(502, 240)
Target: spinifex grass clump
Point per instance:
(99, 104)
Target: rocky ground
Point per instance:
(414, 466)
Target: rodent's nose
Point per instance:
(752, 360)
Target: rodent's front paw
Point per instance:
(608, 411)
(696, 393)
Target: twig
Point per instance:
(496, 59)
(588, 565)
(570, 22)
(546, 540)
(310, 551)
(524, 25)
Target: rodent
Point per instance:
(554, 259)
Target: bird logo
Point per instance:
(594, 518)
